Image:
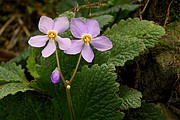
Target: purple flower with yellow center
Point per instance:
(51, 28)
(87, 33)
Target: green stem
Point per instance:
(77, 65)
(66, 83)
(70, 103)
(59, 68)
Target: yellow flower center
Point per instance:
(86, 38)
(52, 34)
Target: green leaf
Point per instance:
(27, 106)
(68, 14)
(124, 49)
(127, 5)
(131, 98)
(31, 62)
(104, 20)
(21, 58)
(94, 94)
(12, 88)
(98, 80)
(44, 70)
(44, 84)
(10, 71)
(145, 31)
(12, 80)
(130, 38)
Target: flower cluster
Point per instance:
(85, 34)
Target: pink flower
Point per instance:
(87, 33)
(51, 28)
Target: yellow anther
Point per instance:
(52, 34)
(86, 38)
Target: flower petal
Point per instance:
(38, 41)
(64, 43)
(87, 53)
(45, 24)
(49, 49)
(102, 43)
(78, 27)
(61, 24)
(93, 27)
(75, 48)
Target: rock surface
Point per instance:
(155, 73)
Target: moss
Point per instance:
(148, 111)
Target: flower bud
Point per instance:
(55, 76)
(68, 86)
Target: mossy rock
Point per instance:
(155, 73)
(151, 111)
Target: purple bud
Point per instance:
(55, 76)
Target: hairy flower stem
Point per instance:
(77, 65)
(68, 89)
(59, 68)
(66, 83)
(70, 103)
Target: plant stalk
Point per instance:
(70, 103)
(67, 83)
(59, 68)
(75, 70)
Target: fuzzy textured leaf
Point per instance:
(113, 9)
(27, 106)
(94, 94)
(131, 97)
(130, 38)
(31, 62)
(128, 5)
(44, 70)
(104, 20)
(43, 83)
(93, 91)
(12, 80)
(21, 58)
